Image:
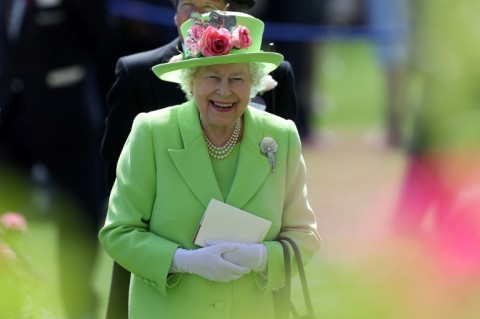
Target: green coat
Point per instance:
(164, 183)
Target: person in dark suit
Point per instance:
(50, 115)
(137, 89)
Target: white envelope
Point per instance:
(225, 222)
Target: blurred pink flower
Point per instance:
(7, 253)
(459, 239)
(13, 221)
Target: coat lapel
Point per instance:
(253, 167)
(193, 161)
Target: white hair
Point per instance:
(257, 79)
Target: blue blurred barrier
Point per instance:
(284, 32)
(146, 12)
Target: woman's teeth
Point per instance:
(223, 105)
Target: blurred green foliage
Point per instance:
(348, 88)
(447, 56)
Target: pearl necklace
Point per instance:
(221, 152)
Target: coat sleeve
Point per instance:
(282, 100)
(121, 102)
(126, 235)
(298, 218)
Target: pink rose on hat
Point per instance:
(196, 31)
(216, 41)
(241, 38)
(216, 36)
(193, 46)
(223, 38)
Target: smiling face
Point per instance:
(221, 93)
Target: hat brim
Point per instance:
(171, 71)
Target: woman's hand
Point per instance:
(208, 263)
(253, 256)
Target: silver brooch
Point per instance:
(269, 146)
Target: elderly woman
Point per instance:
(177, 159)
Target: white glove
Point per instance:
(208, 263)
(253, 256)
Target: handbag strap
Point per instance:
(286, 304)
(301, 272)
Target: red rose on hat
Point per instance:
(216, 41)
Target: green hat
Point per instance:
(219, 38)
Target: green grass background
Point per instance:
(348, 87)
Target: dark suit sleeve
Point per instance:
(122, 108)
(282, 100)
(136, 89)
(117, 307)
(121, 103)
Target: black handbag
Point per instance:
(284, 308)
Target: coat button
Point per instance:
(219, 306)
